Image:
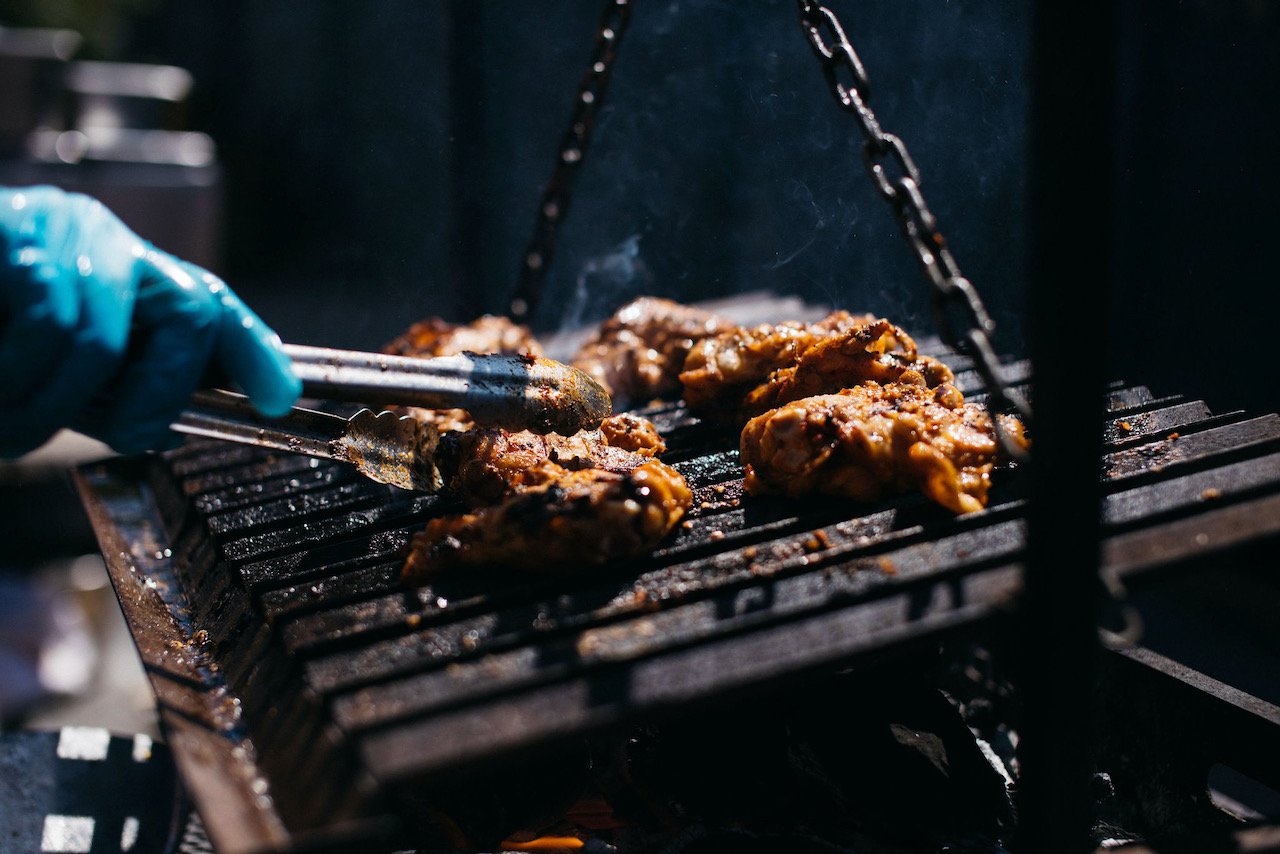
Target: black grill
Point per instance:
(302, 686)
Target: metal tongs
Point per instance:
(515, 392)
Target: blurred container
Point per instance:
(124, 112)
(127, 95)
(33, 63)
(123, 143)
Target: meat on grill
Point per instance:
(720, 371)
(436, 337)
(563, 502)
(487, 465)
(876, 440)
(637, 353)
(874, 352)
(488, 334)
(552, 503)
(579, 519)
(632, 433)
(747, 372)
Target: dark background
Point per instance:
(382, 162)
(358, 147)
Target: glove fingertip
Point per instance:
(251, 353)
(277, 395)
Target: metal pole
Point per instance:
(1071, 264)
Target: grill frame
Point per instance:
(231, 573)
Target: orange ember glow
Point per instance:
(545, 844)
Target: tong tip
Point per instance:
(394, 449)
(570, 402)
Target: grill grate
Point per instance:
(264, 596)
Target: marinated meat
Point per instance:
(488, 334)
(876, 440)
(487, 465)
(719, 372)
(562, 502)
(445, 421)
(582, 518)
(552, 503)
(436, 337)
(637, 353)
(873, 352)
(632, 433)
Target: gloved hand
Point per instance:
(91, 312)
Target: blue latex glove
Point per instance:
(90, 311)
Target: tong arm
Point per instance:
(216, 414)
(388, 448)
(516, 392)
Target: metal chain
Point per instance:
(573, 150)
(961, 317)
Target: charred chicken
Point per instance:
(846, 406)
(743, 373)
(876, 440)
(577, 519)
(637, 353)
(488, 334)
(874, 352)
(485, 466)
(720, 371)
(552, 501)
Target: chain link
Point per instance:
(961, 317)
(554, 203)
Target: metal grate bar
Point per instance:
(292, 567)
(1154, 459)
(581, 705)
(392, 609)
(480, 636)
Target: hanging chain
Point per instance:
(962, 319)
(573, 150)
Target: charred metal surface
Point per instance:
(214, 755)
(1168, 725)
(287, 571)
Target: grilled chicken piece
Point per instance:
(637, 353)
(487, 465)
(552, 503)
(632, 433)
(719, 372)
(876, 440)
(436, 337)
(873, 352)
(488, 334)
(582, 518)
